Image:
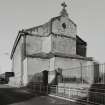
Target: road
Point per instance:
(16, 96)
(10, 95)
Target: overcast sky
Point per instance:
(89, 15)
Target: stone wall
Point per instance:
(63, 45)
(52, 43)
(64, 26)
(33, 45)
(46, 44)
(36, 44)
(42, 30)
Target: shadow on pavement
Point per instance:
(14, 95)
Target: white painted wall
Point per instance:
(25, 70)
(36, 65)
(74, 67)
(51, 76)
(66, 63)
(17, 64)
(52, 62)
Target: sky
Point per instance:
(15, 15)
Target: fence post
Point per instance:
(69, 92)
(47, 89)
(56, 90)
(40, 88)
(64, 89)
(87, 98)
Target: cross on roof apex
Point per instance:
(64, 5)
(64, 12)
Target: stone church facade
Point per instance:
(52, 45)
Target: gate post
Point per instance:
(45, 81)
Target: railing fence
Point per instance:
(84, 74)
(83, 96)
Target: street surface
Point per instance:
(15, 96)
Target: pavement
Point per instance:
(18, 96)
(45, 100)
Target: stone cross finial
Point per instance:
(64, 12)
(63, 5)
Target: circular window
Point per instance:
(64, 25)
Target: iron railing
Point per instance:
(84, 74)
(83, 96)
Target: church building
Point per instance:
(52, 45)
